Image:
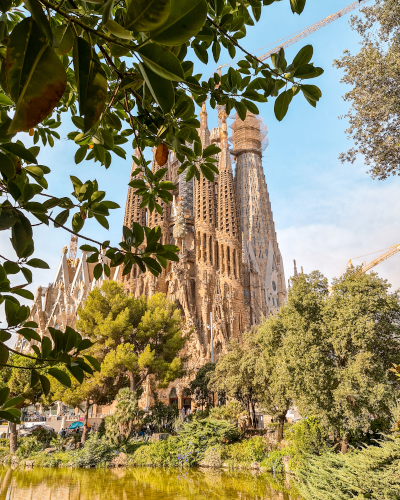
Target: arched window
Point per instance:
(274, 286)
(79, 293)
(173, 397)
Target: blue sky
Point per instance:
(324, 212)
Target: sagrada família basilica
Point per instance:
(230, 271)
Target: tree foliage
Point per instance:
(339, 347)
(373, 74)
(134, 338)
(199, 386)
(126, 418)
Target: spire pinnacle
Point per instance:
(295, 269)
(203, 116)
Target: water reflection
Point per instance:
(146, 483)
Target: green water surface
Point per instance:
(135, 483)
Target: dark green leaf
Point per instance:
(4, 393)
(297, 6)
(162, 90)
(4, 354)
(93, 361)
(29, 334)
(45, 383)
(7, 166)
(37, 263)
(13, 402)
(40, 18)
(98, 271)
(10, 417)
(20, 151)
(147, 15)
(34, 378)
(185, 20)
(64, 35)
(84, 344)
(77, 222)
(304, 56)
(162, 62)
(76, 372)
(282, 104)
(61, 376)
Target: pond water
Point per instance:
(138, 483)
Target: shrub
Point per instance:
(306, 437)
(372, 472)
(273, 461)
(230, 412)
(245, 452)
(96, 452)
(160, 454)
(28, 447)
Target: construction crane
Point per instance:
(305, 32)
(366, 267)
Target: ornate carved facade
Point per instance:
(229, 261)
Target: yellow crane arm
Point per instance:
(305, 32)
(392, 251)
(312, 29)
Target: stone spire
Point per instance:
(295, 269)
(203, 131)
(229, 241)
(132, 211)
(255, 214)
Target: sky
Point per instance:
(325, 212)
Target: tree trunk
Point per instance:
(13, 437)
(85, 422)
(131, 382)
(281, 422)
(344, 445)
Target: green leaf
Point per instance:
(211, 150)
(117, 30)
(251, 106)
(76, 372)
(147, 15)
(34, 378)
(98, 271)
(201, 52)
(10, 417)
(102, 220)
(93, 361)
(282, 104)
(29, 334)
(38, 263)
(5, 101)
(162, 62)
(77, 222)
(5, 5)
(46, 347)
(61, 218)
(241, 110)
(35, 8)
(297, 6)
(308, 71)
(61, 376)
(20, 151)
(7, 166)
(13, 402)
(185, 20)
(91, 81)
(4, 394)
(84, 344)
(21, 236)
(24, 293)
(35, 76)
(152, 265)
(162, 90)
(311, 92)
(45, 383)
(64, 35)
(80, 154)
(304, 56)
(4, 354)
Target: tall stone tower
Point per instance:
(205, 221)
(133, 212)
(228, 249)
(255, 214)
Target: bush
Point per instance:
(28, 447)
(372, 472)
(273, 461)
(230, 412)
(306, 437)
(96, 452)
(245, 452)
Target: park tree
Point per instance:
(123, 75)
(340, 345)
(275, 396)
(236, 375)
(201, 393)
(135, 338)
(126, 418)
(373, 74)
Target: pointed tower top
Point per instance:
(295, 269)
(203, 116)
